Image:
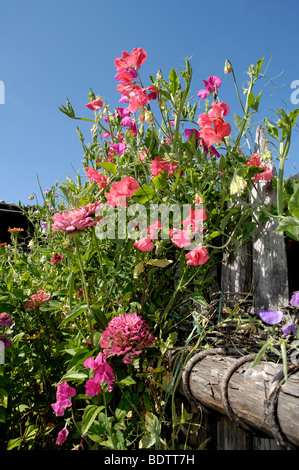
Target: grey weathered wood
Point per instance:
(249, 391)
(269, 261)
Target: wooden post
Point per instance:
(269, 261)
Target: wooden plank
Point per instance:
(250, 392)
(269, 259)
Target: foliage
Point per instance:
(98, 252)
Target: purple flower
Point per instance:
(289, 328)
(212, 85)
(295, 299)
(5, 319)
(5, 341)
(271, 317)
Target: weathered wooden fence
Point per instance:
(239, 406)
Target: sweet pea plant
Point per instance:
(121, 254)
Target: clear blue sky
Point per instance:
(50, 50)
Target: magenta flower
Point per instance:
(92, 388)
(73, 221)
(61, 437)
(271, 317)
(188, 133)
(295, 299)
(212, 85)
(63, 394)
(103, 373)
(119, 148)
(5, 319)
(36, 300)
(126, 335)
(57, 258)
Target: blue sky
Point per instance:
(50, 50)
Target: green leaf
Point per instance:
(272, 130)
(144, 194)
(160, 263)
(160, 181)
(12, 443)
(74, 313)
(109, 166)
(173, 79)
(68, 110)
(127, 381)
(89, 416)
(293, 205)
(99, 316)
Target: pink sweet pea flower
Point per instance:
(103, 372)
(135, 59)
(92, 388)
(119, 148)
(97, 177)
(63, 393)
(212, 85)
(159, 164)
(95, 104)
(61, 437)
(153, 229)
(194, 220)
(266, 175)
(144, 244)
(180, 238)
(197, 256)
(121, 190)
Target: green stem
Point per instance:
(85, 289)
(285, 150)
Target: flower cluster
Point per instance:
(5, 321)
(213, 127)
(126, 335)
(63, 394)
(127, 67)
(36, 300)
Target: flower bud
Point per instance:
(238, 185)
(227, 67)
